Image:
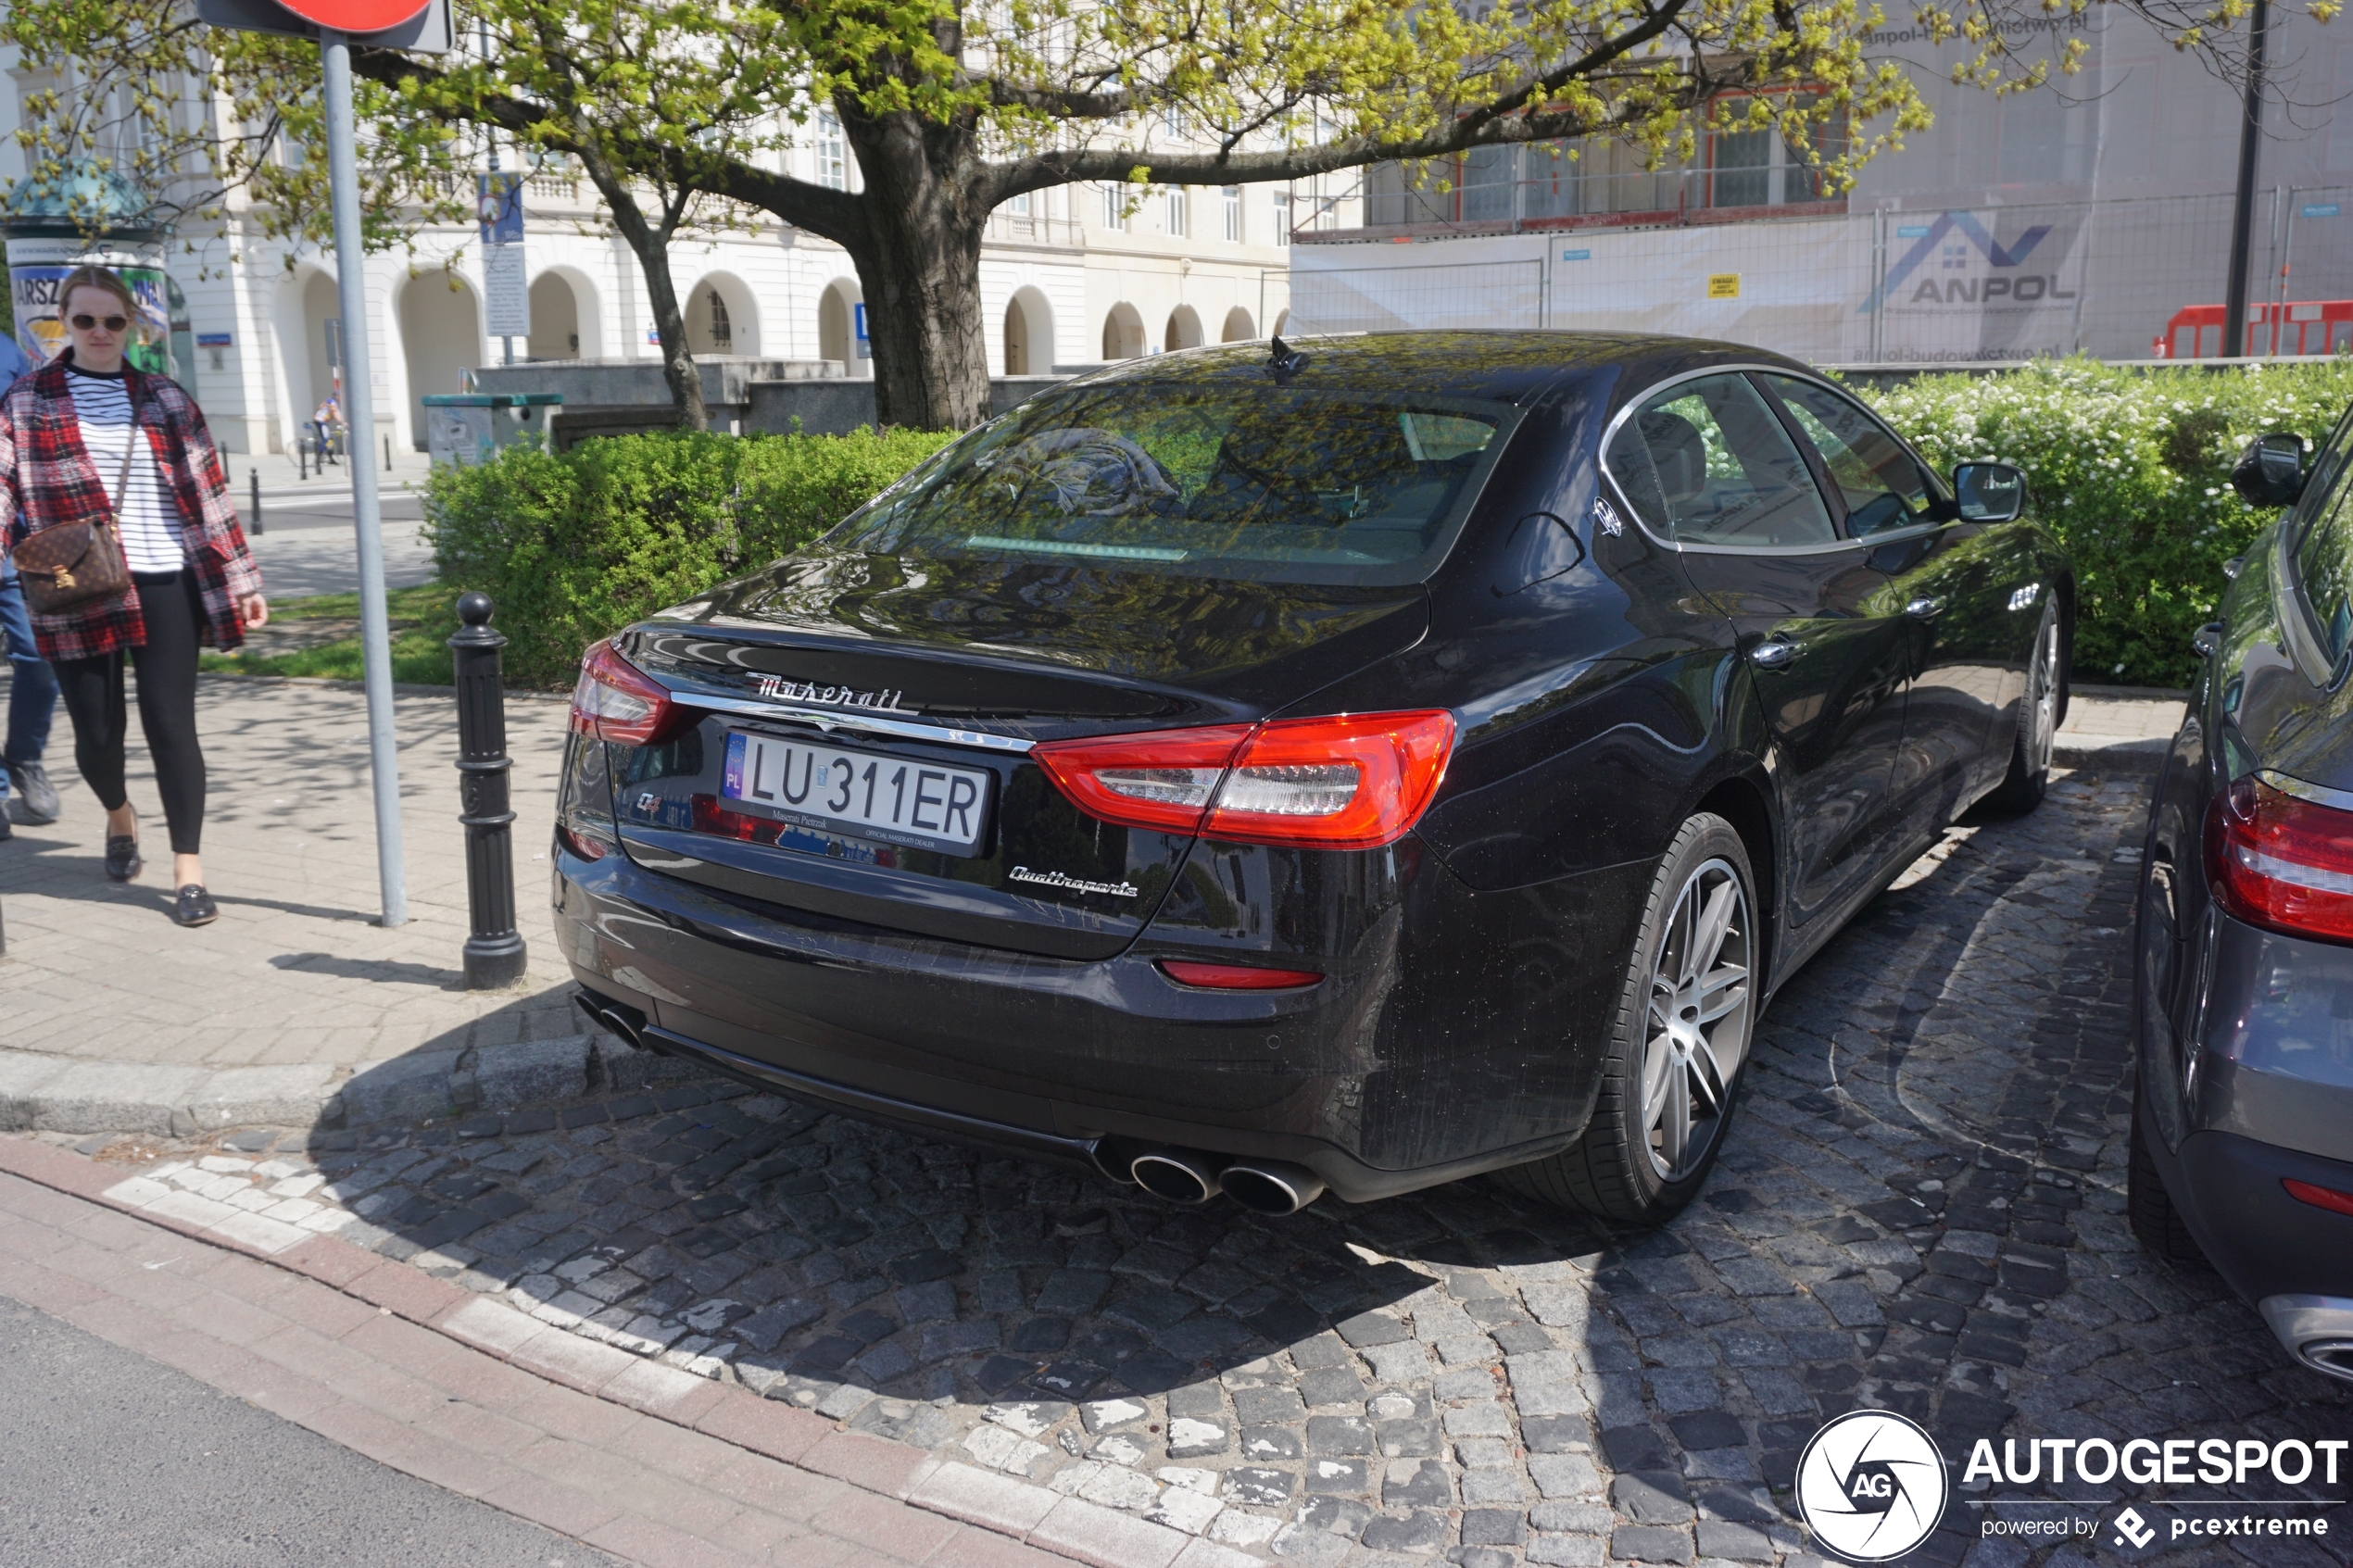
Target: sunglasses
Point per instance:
(112, 323)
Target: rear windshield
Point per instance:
(1273, 482)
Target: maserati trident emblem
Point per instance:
(885, 699)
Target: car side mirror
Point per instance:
(2271, 471)
(1989, 492)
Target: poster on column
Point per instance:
(36, 267)
(1993, 284)
(506, 294)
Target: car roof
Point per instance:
(1509, 365)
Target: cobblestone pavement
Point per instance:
(1921, 1209)
(296, 972)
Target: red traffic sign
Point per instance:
(419, 27)
(355, 16)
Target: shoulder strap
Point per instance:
(131, 444)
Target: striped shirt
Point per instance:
(150, 523)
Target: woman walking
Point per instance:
(89, 444)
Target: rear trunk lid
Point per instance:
(858, 748)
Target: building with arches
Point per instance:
(1069, 278)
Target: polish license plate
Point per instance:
(894, 799)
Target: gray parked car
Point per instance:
(2242, 994)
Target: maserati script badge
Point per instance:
(886, 699)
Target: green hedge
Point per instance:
(573, 547)
(2132, 468)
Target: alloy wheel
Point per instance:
(1698, 1020)
(2045, 700)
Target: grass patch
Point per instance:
(422, 618)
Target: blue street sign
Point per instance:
(498, 206)
(1912, 231)
(2319, 209)
(1576, 256)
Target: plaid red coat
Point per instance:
(48, 481)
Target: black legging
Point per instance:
(167, 664)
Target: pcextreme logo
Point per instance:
(1871, 1486)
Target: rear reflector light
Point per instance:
(1352, 781)
(2277, 861)
(616, 701)
(2318, 1197)
(579, 843)
(1237, 977)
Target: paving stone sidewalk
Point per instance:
(1920, 1209)
(111, 1017)
(663, 1468)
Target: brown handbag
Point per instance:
(81, 561)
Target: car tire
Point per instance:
(1672, 1075)
(2155, 1221)
(2039, 709)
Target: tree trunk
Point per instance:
(652, 246)
(670, 323)
(918, 260)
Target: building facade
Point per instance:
(2093, 215)
(1069, 278)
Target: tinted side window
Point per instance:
(1706, 463)
(2324, 559)
(1884, 488)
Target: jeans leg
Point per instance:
(32, 686)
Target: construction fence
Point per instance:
(1955, 286)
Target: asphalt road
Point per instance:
(109, 1459)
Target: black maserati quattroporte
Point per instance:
(1357, 766)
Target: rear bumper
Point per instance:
(2295, 1261)
(1374, 1080)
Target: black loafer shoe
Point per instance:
(195, 906)
(122, 858)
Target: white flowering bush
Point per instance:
(2132, 468)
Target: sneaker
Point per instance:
(193, 906)
(36, 797)
(122, 858)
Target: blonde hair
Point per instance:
(105, 278)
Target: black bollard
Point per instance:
(254, 474)
(494, 952)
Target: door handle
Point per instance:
(1926, 608)
(1773, 653)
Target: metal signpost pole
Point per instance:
(358, 413)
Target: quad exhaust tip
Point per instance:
(620, 1019)
(1176, 1175)
(1270, 1186)
(1264, 1186)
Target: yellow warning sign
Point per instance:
(1724, 285)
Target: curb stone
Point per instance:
(55, 1094)
(1066, 1526)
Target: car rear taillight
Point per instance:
(616, 701)
(1162, 781)
(2319, 1196)
(1236, 976)
(2281, 862)
(1352, 781)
